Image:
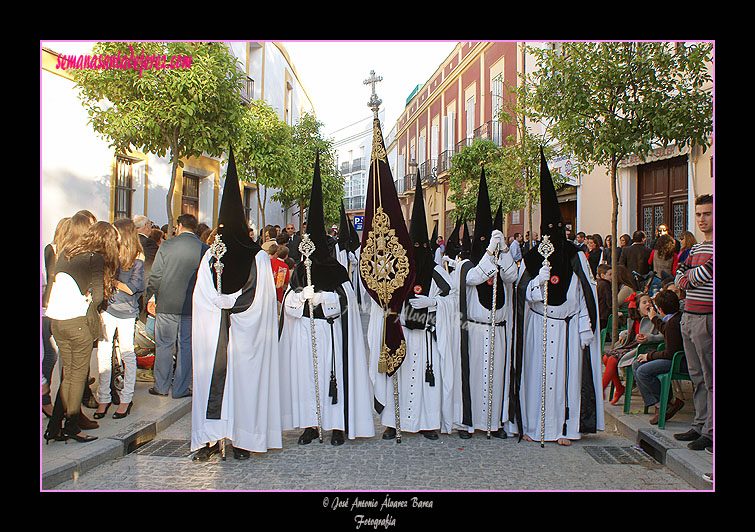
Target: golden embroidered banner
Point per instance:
(386, 263)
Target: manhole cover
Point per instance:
(169, 448)
(618, 455)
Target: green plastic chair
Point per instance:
(629, 384)
(673, 374)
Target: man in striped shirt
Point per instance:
(695, 276)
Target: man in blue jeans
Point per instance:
(171, 283)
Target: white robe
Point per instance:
(479, 334)
(298, 398)
(421, 406)
(556, 363)
(250, 414)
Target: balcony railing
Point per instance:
(432, 168)
(247, 91)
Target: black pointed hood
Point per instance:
(423, 255)
(453, 243)
(234, 232)
(327, 272)
(344, 234)
(483, 223)
(552, 225)
(466, 243)
(483, 228)
(354, 240)
(434, 239)
(498, 220)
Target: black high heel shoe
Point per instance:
(117, 415)
(58, 436)
(100, 415)
(84, 438)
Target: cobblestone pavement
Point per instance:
(605, 461)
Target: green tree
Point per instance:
(307, 142)
(464, 177)
(181, 111)
(263, 151)
(520, 156)
(609, 100)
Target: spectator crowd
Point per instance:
(104, 277)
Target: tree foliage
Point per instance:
(520, 155)
(184, 112)
(607, 100)
(263, 151)
(307, 142)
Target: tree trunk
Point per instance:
(171, 190)
(260, 204)
(614, 261)
(301, 213)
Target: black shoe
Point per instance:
(500, 433)
(100, 415)
(204, 454)
(308, 435)
(241, 454)
(155, 392)
(430, 434)
(117, 415)
(57, 436)
(79, 436)
(389, 434)
(464, 435)
(700, 443)
(336, 437)
(690, 435)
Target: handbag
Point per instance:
(117, 371)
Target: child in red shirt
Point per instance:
(281, 272)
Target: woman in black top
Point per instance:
(84, 280)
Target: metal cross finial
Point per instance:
(374, 102)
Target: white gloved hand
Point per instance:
(420, 301)
(544, 275)
(585, 337)
(317, 298)
(226, 301)
(496, 240)
(448, 260)
(307, 293)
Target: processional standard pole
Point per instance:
(546, 250)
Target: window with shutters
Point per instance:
(124, 189)
(190, 195)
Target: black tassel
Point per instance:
(563, 430)
(429, 375)
(333, 389)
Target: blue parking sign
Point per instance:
(358, 222)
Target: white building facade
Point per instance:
(78, 170)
